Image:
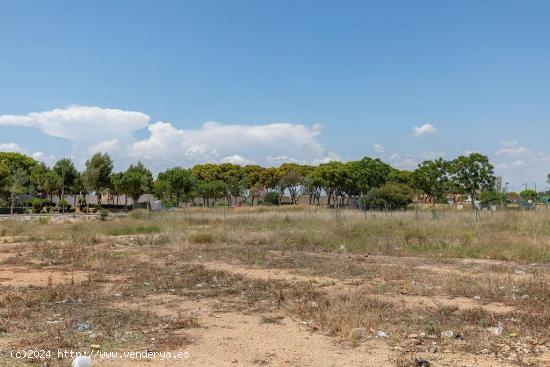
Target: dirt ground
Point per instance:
(235, 305)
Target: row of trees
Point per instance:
(367, 181)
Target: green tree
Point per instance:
(369, 173)
(472, 174)
(37, 176)
(52, 183)
(174, 184)
(252, 178)
(292, 179)
(490, 197)
(97, 174)
(10, 163)
(431, 177)
(15, 183)
(136, 181)
(68, 173)
(529, 194)
(116, 187)
(332, 176)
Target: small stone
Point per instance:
(497, 330)
(357, 333)
(447, 334)
(82, 327)
(413, 336)
(432, 349)
(381, 334)
(421, 362)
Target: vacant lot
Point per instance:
(280, 286)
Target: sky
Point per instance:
(183, 82)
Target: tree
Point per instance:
(52, 183)
(431, 177)
(252, 178)
(490, 197)
(292, 179)
(13, 161)
(79, 188)
(9, 164)
(136, 181)
(15, 183)
(472, 174)
(233, 177)
(312, 185)
(529, 195)
(65, 169)
(332, 176)
(37, 176)
(116, 186)
(97, 173)
(369, 173)
(174, 183)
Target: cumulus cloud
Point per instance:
(403, 162)
(10, 147)
(81, 123)
(92, 129)
(378, 148)
(519, 164)
(269, 143)
(425, 129)
(512, 148)
(236, 159)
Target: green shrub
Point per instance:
(37, 204)
(63, 204)
(271, 198)
(103, 214)
(44, 219)
(394, 194)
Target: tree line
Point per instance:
(368, 181)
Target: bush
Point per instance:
(490, 197)
(103, 214)
(394, 194)
(271, 198)
(63, 204)
(37, 204)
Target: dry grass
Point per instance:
(411, 257)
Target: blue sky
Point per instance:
(179, 82)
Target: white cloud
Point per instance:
(10, 147)
(236, 159)
(108, 146)
(519, 165)
(407, 163)
(82, 123)
(423, 130)
(378, 148)
(269, 143)
(92, 129)
(512, 148)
